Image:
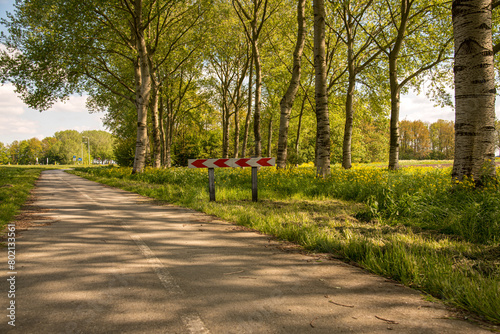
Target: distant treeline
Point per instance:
(65, 147)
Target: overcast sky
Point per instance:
(17, 122)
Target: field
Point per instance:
(413, 225)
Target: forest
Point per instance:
(303, 81)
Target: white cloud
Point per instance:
(9, 102)
(18, 122)
(74, 104)
(418, 107)
(17, 126)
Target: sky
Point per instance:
(18, 122)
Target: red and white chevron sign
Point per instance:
(241, 162)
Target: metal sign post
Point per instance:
(211, 164)
(254, 184)
(211, 184)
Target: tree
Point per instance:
(47, 144)
(32, 151)
(253, 15)
(289, 97)
(16, 152)
(361, 52)
(228, 66)
(414, 140)
(101, 144)
(174, 46)
(4, 154)
(69, 144)
(442, 135)
(92, 46)
(322, 115)
(474, 91)
(417, 32)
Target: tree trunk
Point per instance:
(168, 142)
(395, 100)
(162, 134)
(258, 102)
(474, 91)
(286, 103)
(236, 103)
(349, 120)
(168, 133)
(299, 127)
(249, 111)
(143, 90)
(270, 137)
(321, 97)
(225, 129)
(349, 109)
(395, 85)
(156, 127)
(236, 134)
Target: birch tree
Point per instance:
(474, 91)
(321, 96)
(415, 41)
(361, 52)
(253, 14)
(286, 102)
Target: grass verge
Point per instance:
(15, 187)
(413, 225)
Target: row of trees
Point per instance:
(60, 149)
(421, 140)
(182, 78)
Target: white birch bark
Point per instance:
(143, 90)
(474, 91)
(321, 97)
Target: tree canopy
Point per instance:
(191, 79)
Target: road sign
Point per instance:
(211, 164)
(241, 162)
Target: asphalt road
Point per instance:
(114, 262)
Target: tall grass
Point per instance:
(15, 186)
(412, 225)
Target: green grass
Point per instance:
(16, 183)
(412, 225)
(15, 187)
